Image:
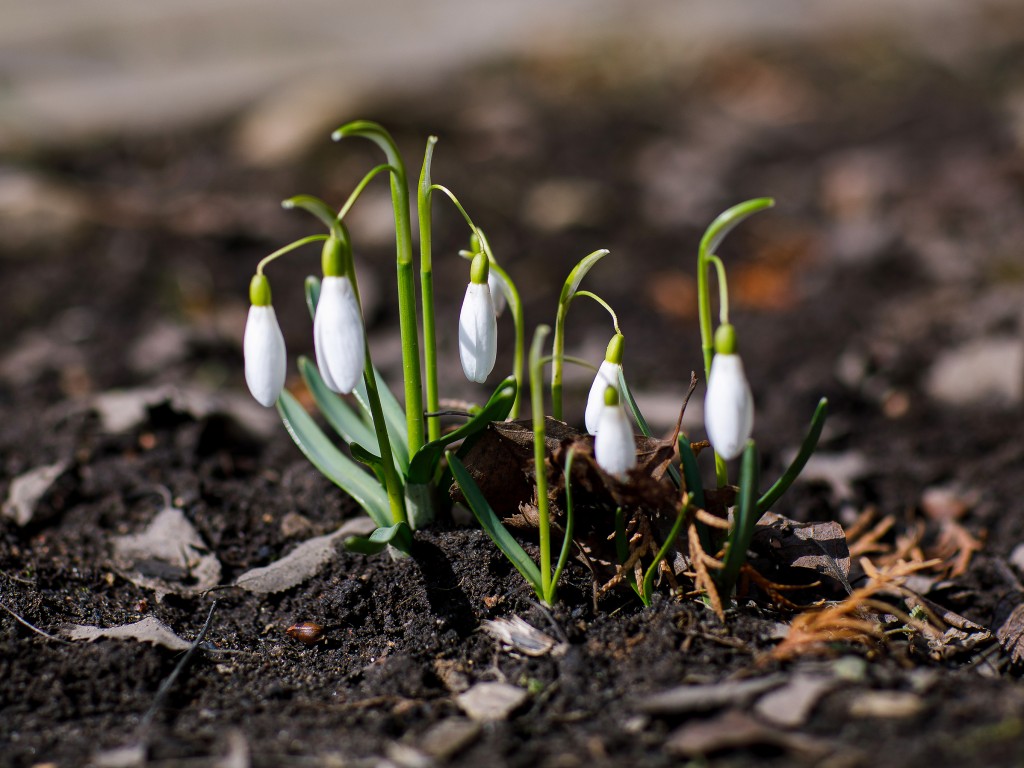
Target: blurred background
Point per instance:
(145, 147)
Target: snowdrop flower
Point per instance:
(728, 405)
(607, 376)
(338, 334)
(263, 346)
(478, 326)
(614, 446)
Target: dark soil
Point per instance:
(897, 236)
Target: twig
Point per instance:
(165, 686)
(34, 628)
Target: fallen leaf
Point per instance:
(737, 730)
(1011, 634)
(819, 547)
(149, 630)
(169, 556)
(886, 705)
(303, 562)
(791, 705)
(26, 490)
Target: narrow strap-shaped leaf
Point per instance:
(745, 519)
(394, 416)
(796, 466)
(572, 282)
(727, 220)
(652, 569)
(424, 463)
(398, 535)
(335, 465)
(492, 525)
(368, 458)
(345, 421)
(312, 291)
(695, 487)
(563, 556)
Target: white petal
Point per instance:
(497, 285)
(478, 333)
(728, 406)
(265, 356)
(614, 446)
(607, 376)
(338, 335)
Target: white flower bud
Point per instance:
(265, 356)
(497, 285)
(614, 445)
(478, 333)
(728, 406)
(338, 335)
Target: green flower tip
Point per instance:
(614, 351)
(725, 340)
(474, 243)
(334, 258)
(480, 269)
(611, 396)
(259, 291)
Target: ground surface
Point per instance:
(893, 258)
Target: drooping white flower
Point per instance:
(614, 445)
(728, 406)
(607, 376)
(265, 355)
(338, 335)
(498, 292)
(478, 327)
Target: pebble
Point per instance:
(887, 705)
(987, 371)
(449, 737)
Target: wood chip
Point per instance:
(791, 705)
(886, 705)
(446, 739)
(488, 702)
(737, 730)
(518, 635)
(705, 698)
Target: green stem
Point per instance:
(605, 304)
(652, 569)
(354, 195)
(408, 325)
(557, 360)
(563, 557)
(423, 211)
(315, 206)
(723, 290)
(516, 308)
(287, 249)
(540, 455)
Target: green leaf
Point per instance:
(345, 421)
(744, 521)
(335, 465)
(796, 467)
(424, 463)
(727, 220)
(492, 525)
(572, 282)
(394, 417)
(312, 291)
(398, 535)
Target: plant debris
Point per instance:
(148, 630)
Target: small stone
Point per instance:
(791, 705)
(487, 702)
(886, 705)
(294, 524)
(448, 738)
(852, 669)
(704, 698)
(986, 371)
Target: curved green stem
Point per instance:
(540, 455)
(519, 324)
(354, 195)
(409, 328)
(563, 556)
(605, 304)
(648, 584)
(315, 206)
(423, 213)
(287, 249)
(723, 290)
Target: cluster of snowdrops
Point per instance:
(399, 458)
